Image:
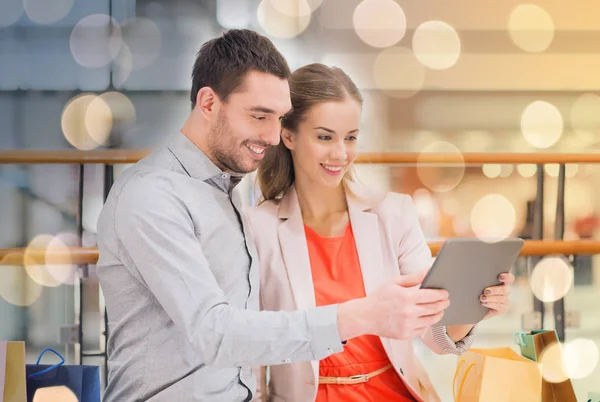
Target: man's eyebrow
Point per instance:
(262, 109)
(333, 132)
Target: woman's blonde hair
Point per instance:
(309, 86)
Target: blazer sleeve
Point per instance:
(414, 255)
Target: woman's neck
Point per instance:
(319, 203)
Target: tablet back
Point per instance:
(465, 267)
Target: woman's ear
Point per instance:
(288, 138)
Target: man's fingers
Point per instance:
(424, 310)
(428, 320)
(424, 296)
(498, 290)
(410, 280)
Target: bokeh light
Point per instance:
(58, 258)
(553, 365)
(123, 66)
(491, 170)
(397, 71)
(282, 26)
(580, 357)
(16, 286)
(541, 124)
(47, 12)
(12, 10)
(96, 40)
(78, 118)
(33, 260)
(552, 169)
(121, 107)
(493, 218)
(296, 8)
(144, 43)
(585, 118)
(531, 28)
(551, 279)
(379, 23)
(54, 394)
(440, 177)
(527, 169)
(436, 45)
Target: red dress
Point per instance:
(337, 278)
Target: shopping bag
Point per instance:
(497, 374)
(77, 383)
(12, 372)
(533, 345)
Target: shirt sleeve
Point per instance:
(157, 239)
(445, 345)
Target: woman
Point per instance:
(339, 241)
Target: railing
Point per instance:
(89, 255)
(536, 248)
(113, 157)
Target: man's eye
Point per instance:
(259, 117)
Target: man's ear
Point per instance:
(207, 102)
(288, 138)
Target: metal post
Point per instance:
(109, 178)
(559, 230)
(82, 269)
(538, 232)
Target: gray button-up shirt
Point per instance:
(180, 279)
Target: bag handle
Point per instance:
(519, 338)
(46, 370)
(462, 382)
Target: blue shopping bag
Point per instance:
(82, 381)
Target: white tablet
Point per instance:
(465, 267)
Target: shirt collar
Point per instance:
(198, 165)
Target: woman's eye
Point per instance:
(351, 138)
(324, 137)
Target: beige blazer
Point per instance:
(389, 242)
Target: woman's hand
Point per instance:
(496, 298)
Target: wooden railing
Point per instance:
(131, 156)
(89, 255)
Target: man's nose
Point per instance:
(272, 134)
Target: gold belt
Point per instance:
(354, 379)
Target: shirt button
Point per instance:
(287, 361)
(329, 351)
(224, 175)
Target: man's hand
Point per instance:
(396, 310)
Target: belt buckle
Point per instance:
(360, 377)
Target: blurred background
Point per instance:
(456, 78)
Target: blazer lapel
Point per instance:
(365, 228)
(295, 251)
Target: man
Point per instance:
(179, 272)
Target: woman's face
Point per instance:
(325, 144)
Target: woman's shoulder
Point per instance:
(265, 210)
(380, 201)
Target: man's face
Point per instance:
(249, 122)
